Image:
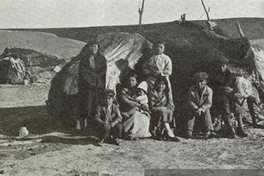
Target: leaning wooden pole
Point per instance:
(140, 11)
(206, 12)
(208, 18)
(240, 31)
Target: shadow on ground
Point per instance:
(35, 118)
(40, 126)
(73, 141)
(38, 123)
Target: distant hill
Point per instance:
(252, 27)
(42, 42)
(67, 42)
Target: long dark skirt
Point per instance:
(161, 116)
(89, 99)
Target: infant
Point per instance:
(141, 95)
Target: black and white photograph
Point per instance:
(131, 87)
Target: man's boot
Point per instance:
(231, 133)
(189, 135)
(116, 141)
(154, 132)
(241, 132)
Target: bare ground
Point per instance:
(50, 151)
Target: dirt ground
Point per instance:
(49, 151)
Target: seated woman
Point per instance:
(162, 112)
(135, 116)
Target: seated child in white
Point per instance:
(141, 95)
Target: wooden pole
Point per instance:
(241, 33)
(208, 18)
(206, 12)
(140, 11)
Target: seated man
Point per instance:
(108, 118)
(200, 101)
(223, 84)
(245, 96)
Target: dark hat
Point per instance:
(161, 79)
(222, 60)
(147, 44)
(157, 42)
(94, 41)
(109, 93)
(201, 76)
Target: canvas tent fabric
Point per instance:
(121, 50)
(259, 64)
(195, 51)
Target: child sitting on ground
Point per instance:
(108, 118)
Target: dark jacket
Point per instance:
(92, 77)
(220, 80)
(203, 101)
(100, 114)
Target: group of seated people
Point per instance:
(140, 113)
(146, 109)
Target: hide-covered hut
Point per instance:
(195, 49)
(18, 64)
(122, 51)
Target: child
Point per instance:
(162, 112)
(141, 95)
(159, 65)
(109, 119)
(200, 101)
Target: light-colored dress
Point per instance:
(158, 106)
(135, 121)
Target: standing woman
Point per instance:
(162, 112)
(135, 115)
(92, 78)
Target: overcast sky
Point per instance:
(86, 13)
